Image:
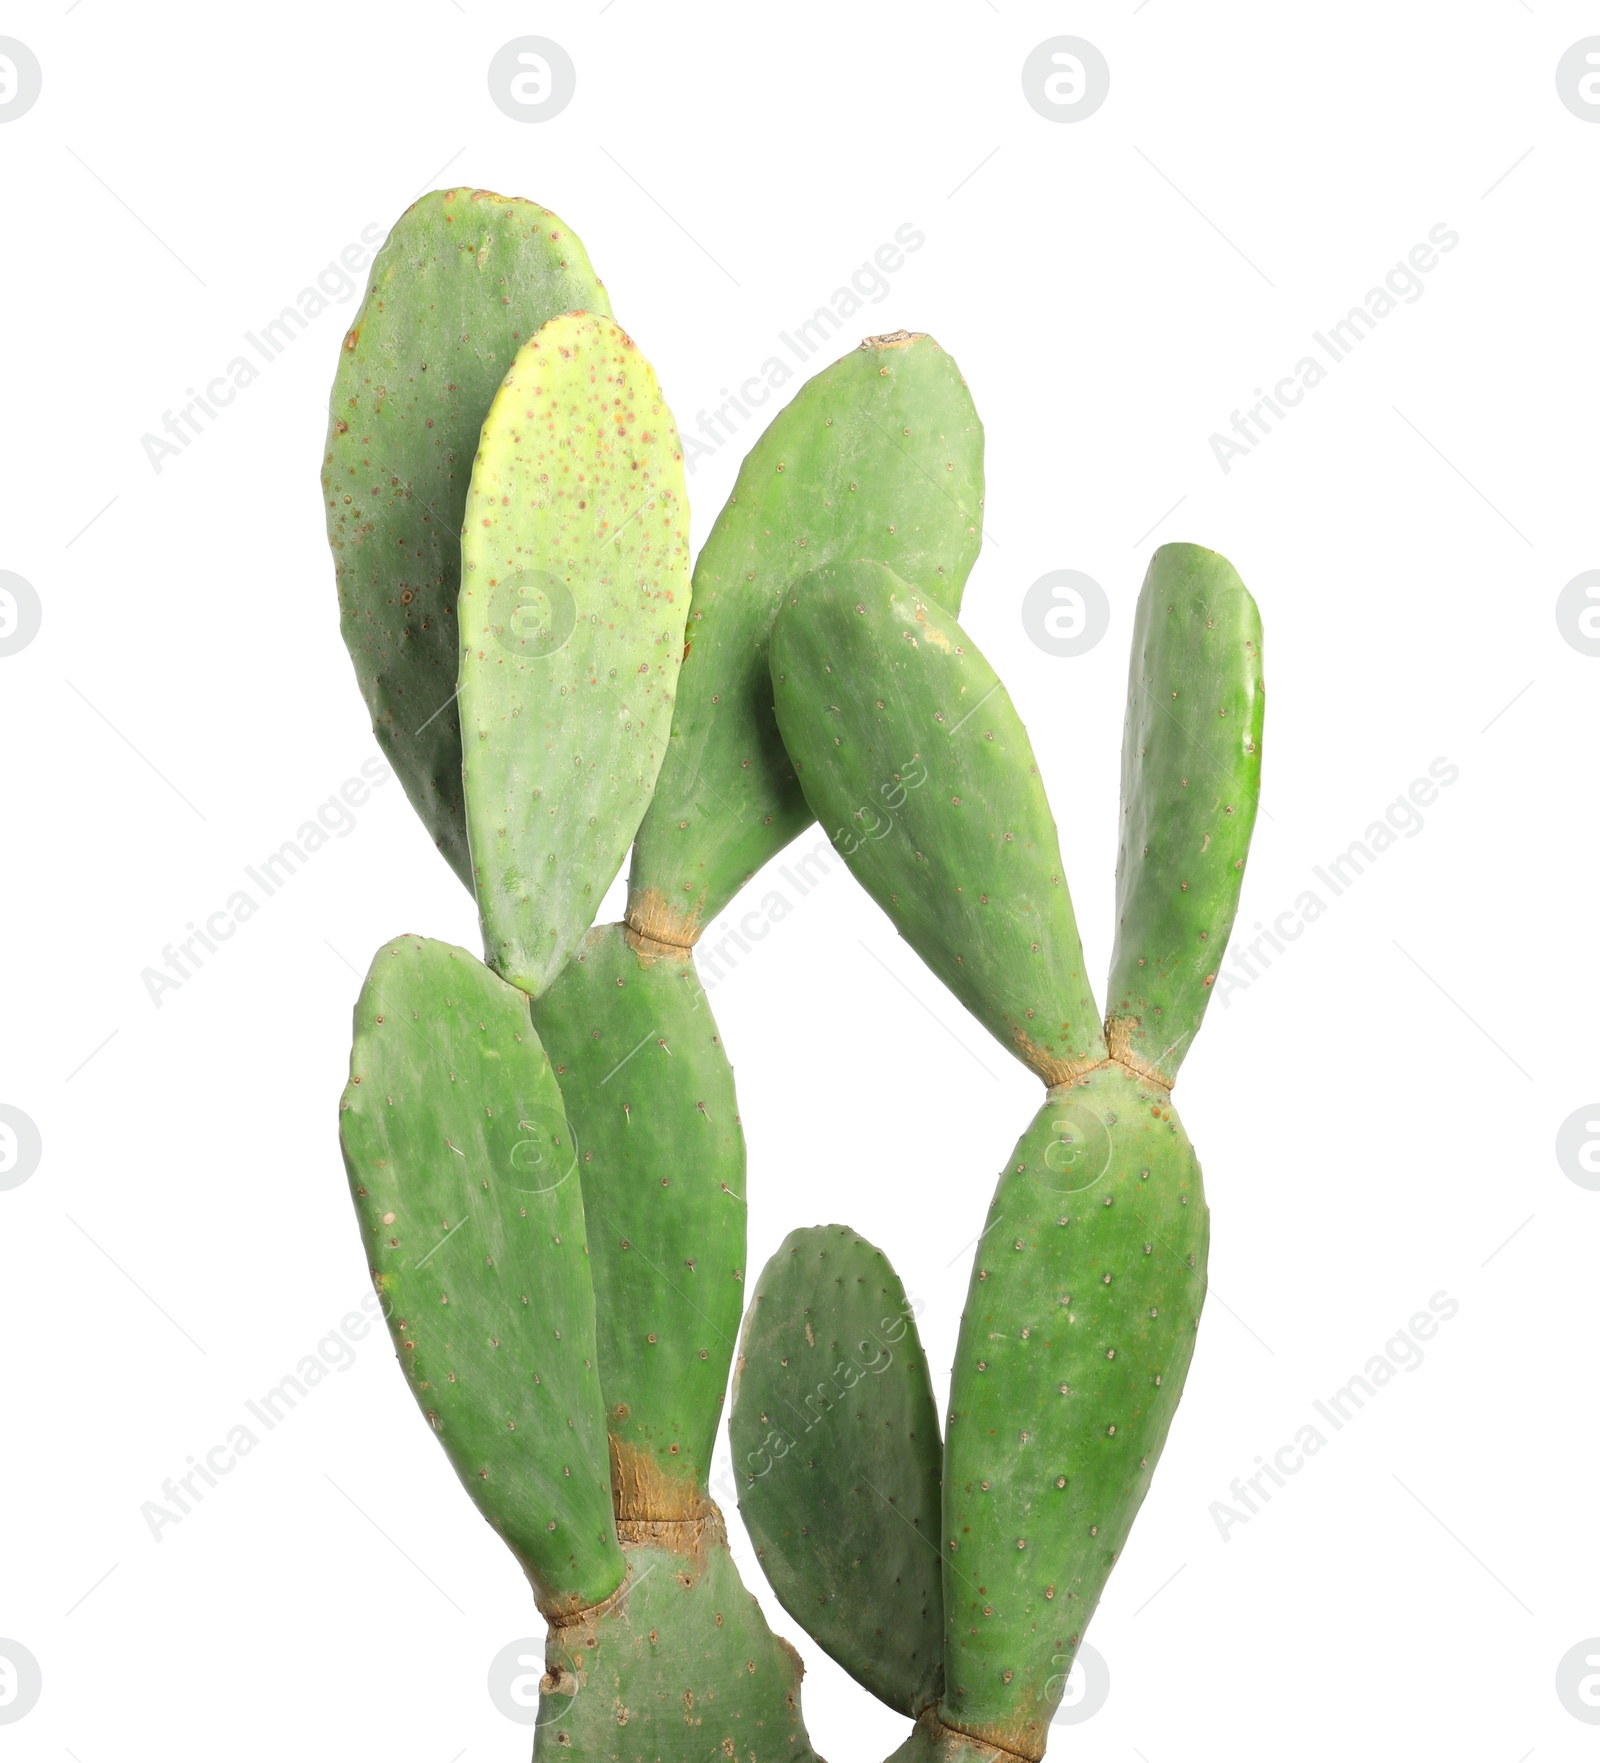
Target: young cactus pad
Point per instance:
(465, 1183)
(836, 1447)
(913, 757)
(648, 1087)
(464, 279)
(1191, 780)
(879, 455)
(574, 592)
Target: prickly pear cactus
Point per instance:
(1191, 782)
(679, 1665)
(1077, 1335)
(644, 1075)
(879, 455)
(491, 1188)
(925, 783)
(461, 283)
(1088, 1283)
(836, 1444)
(574, 592)
(663, 1171)
(465, 1181)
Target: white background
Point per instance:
(1376, 1114)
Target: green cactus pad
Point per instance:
(836, 1443)
(1191, 781)
(1077, 1334)
(464, 279)
(465, 1182)
(574, 592)
(880, 455)
(915, 761)
(680, 1665)
(649, 1090)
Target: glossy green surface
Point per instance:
(682, 1669)
(464, 1176)
(649, 1090)
(1191, 783)
(574, 592)
(918, 767)
(464, 279)
(1077, 1334)
(836, 1448)
(880, 455)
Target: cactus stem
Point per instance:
(937, 1738)
(653, 920)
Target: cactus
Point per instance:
(559, 629)
(938, 774)
(574, 592)
(1089, 1279)
(644, 1075)
(1191, 768)
(545, 1149)
(645, 1078)
(679, 1666)
(881, 456)
(643, 1069)
(464, 1178)
(461, 283)
(835, 1428)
